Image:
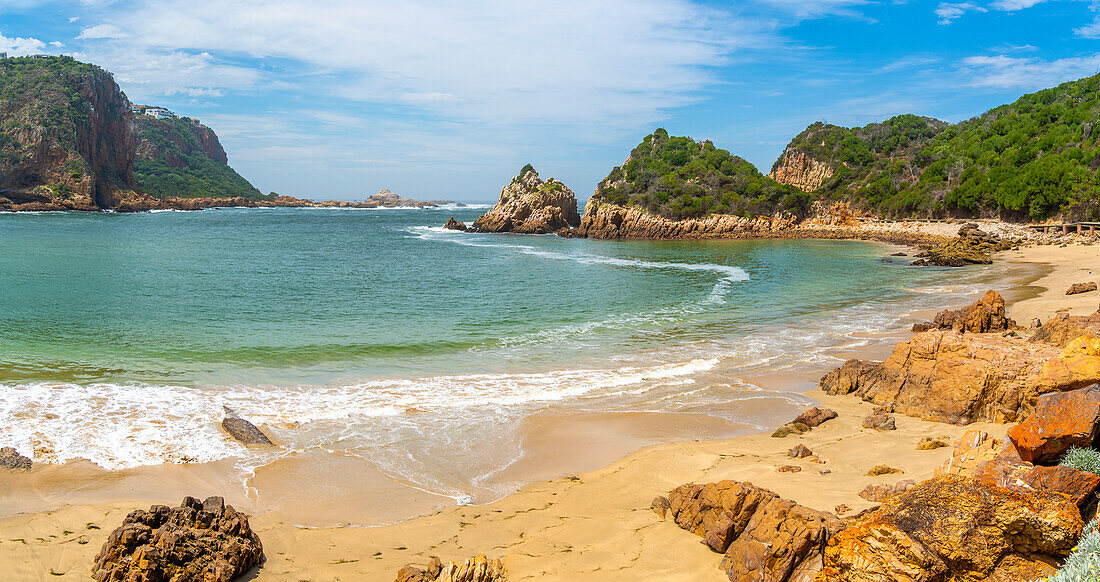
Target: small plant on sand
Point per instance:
(1084, 562)
(1082, 459)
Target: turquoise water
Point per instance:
(376, 332)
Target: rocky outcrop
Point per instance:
(797, 169)
(66, 137)
(1060, 421)
(879, 492)
(479, 569)
(806, 421)
(204, 541)
(245, 432)
(529, 205)
(1078, 288)
(609, 221)
(386, 199)
(972, 246)
(453, 224)
(761, 536)
(983, 316)
(11, 460)
(1064, 328)
(955, 528)
(961, 378)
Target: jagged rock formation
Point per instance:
(207, 541)
(797, 169)
(955, 528)
(944, 376)
(971, 247)
(453, 224)
(983, 316)
(762, 536)
(66, 141)
(603, 220)
(478, 569)
(529, 205)
(1078, 288)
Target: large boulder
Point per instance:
(529, 205)
(1061, 420)
(983, 316)
(762, 536)
(245, 432)
(961, 378)
(955, 528)
(204, 541)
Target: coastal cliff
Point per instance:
(797, 169)
(66, 141)
(605, 220)
(530, 205)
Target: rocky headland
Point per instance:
(530, 205)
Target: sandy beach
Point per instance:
(594, 525)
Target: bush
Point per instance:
(1082, 459)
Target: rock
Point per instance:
(1036, 323)
(983, 316)
(826, 471)
(789, 469)
(1061, 420)
(411, 573)
(797, 169)
(453, 224)
(882, 470)
(242, 430)
(789, 429)
(931, 443)
(972, 450)
(800, 452)
(955, 528)
(479, 569)
(879, 492)
(528, 205)
(660, 505)
(971, 247)
(386, 199)
(1081, 288)
(11, 459)
(762, 536)
(879, 421)
(961, 378)
(815, 416)
(899, 255)
(1064, 328)
(207, 541)
(841, 509)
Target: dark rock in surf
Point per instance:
(242, 430)
(12, 460)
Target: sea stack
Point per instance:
(529, 205)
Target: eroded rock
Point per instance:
(529, 205)
(879, 492)
(11, 459)
(242, 430)
(879, 421)
(453, 224)
(815, 416)
(1060, 420)
(800, 452)
(204, 541)
(478, 569)
(1077, 288)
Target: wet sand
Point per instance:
(591, 525)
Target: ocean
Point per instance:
(422, 352)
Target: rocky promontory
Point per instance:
(530, 205)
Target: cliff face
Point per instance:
(605, 220)
(529, 205)
(66, 141)
(797, 169)
(180, 157)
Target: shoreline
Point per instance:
(563, 528)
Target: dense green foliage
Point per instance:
(1032, 159)
(678, 177)
(41, 96)
(171, 161)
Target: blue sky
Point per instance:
(448, 99)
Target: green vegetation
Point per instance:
(1082, 459)
(1029, 160)
(678, 177)
(172, 161)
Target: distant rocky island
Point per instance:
(387, 199)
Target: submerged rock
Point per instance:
(207, 541)
(242, 430)
(453, 224)
(529, 205)
(11, 459)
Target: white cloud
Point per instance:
(102, 31)
(20, 47)
(1003, 72)
(950, 11)
(1014, 5)
(487, 60)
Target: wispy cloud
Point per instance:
(102, 31)
(1004, 72)
(948, 11)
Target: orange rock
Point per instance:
(1060, 420)
(954, 528)
(983, 316)
(973, 449)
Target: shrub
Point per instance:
(1082, 459)
(1084, 562)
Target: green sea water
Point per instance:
(377, 332)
